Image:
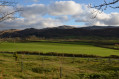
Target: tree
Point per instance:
(6, 14)
(106, 4)
(100, 8)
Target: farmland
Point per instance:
(28, 66)
(59, 39)
(58, 47)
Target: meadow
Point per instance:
(57, 67)
(28, 66)
(58, 47)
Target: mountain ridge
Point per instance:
(103, 32)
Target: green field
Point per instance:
(59, 47)
(26, 66)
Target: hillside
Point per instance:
(102, 32)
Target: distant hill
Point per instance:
(62, 27)
(8, 31)
(65, 27)
(65, 32)
(98, 27)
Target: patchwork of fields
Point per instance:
(58, 47)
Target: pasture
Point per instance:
(51, 67)
(58, 47)
(28, 66)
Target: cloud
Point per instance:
(33, 15)
(34, 10)
(42, 22)
(55, 9)
(64, 8)
(111, 19)
(57, 13)
(101, 19)
(22, 23)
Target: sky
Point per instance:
(53, 13)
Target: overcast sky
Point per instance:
(52, 13)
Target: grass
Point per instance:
(43, 67)
(48, 67)
(59, 47)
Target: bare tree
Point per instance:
(106, 4)
(100, 8)
(8, 9)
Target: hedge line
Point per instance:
(61, 54)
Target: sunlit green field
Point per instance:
(59, 47)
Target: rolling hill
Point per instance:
(65, 32)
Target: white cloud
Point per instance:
(59, 12)
(101, 19)
(22, 23)
(64, 8)
(112, 20)
(54, 9)
(33, 15)
(34, 10)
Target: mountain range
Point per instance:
(64, 32)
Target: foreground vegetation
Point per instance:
(56, 67)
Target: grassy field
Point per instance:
(57, 67)
(51, 67)
(59, 47)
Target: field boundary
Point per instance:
(61, 54)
